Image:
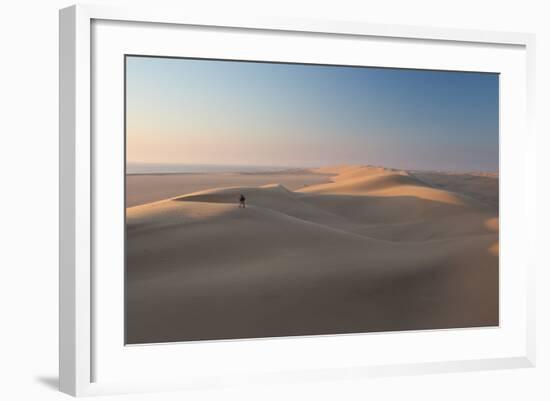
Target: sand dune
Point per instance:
(383, 182)
(374, 249)
(480, 186)
(146, 188)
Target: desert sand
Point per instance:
(146, 188)
(322, 251)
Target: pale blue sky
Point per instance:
(248, 113)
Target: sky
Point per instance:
(214, 112)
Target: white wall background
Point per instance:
(29, 185)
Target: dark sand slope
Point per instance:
(375, 250)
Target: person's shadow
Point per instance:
(51, 382)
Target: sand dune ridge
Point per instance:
(373, 249)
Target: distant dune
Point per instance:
(351, 249)
(146, 188)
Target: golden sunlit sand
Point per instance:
(321, 251)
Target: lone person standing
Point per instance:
(242, 201)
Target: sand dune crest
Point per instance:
(373, 250)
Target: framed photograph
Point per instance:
(273, 201)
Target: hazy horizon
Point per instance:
(184, 168)
(189, 112)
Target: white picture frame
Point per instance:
(78, 156)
